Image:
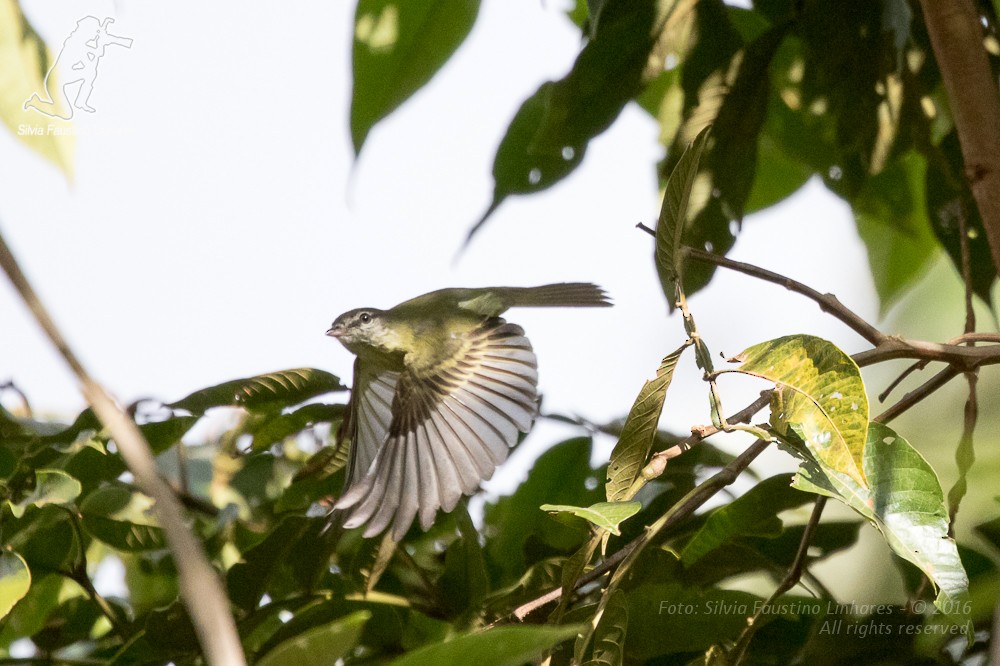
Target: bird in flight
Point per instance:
(442, 387)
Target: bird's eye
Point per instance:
(365, 318)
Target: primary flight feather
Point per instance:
(442, 387)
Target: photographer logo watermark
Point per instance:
(76, 68)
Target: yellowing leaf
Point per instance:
(905, 502)
(24, 63)
(820, 398)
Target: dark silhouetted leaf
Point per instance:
(548, 136)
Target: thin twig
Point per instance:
(827, 302)
(790, 580)
(918, 394)
(200, 585)
(679, 511)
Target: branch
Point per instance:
(957, 39)
(790, 580)
(200, 586)
(679, 511)
(827, 302)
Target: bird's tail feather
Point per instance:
(564, 294)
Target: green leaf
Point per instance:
(398, 47)
(891, 214)
(264, 393)
(636, 439)
(609, 637)
(666, 618)
(605, 515)
(904, 501)
(52, 486)
(26, 61)
(321, 645)
(549, 135)
(561, 475)
(673, 216)
(161, 435)
(754, 513)
(949, 200)
(500, 646)
(465, 581)
(819, 396)
(15, 580)
(279, 426)
(121, 518)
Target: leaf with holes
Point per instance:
(905, 502)
(820, 397)
(263, 393)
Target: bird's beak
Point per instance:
(336, 330)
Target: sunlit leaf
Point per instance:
(398, 47)
(52, 486)
(25, 63)
(605, 515)
(500, 646)
(319, 646)
(636, 439)
(263, 392)
(820, 397)
(904, 501)
(15, 580)
(122, 518)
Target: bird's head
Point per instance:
(362, 329)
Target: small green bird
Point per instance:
(442, 386)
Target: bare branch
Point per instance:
(201, 587)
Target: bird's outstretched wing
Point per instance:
(369, 416)
(451, 425)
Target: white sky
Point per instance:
(215, 227)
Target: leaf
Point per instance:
(264, 393)
(605, 515)
(561, 475)
(572, 568)
(120, 517)
(609, 637)
(15, 580)
(500, 646)
(821, 396)
(52, 486)
(398, 47)
(279, 426)
(465, 581)
(161, 435)
(950, 200)
(549, 135)
(891, 214)
(904, 501)
(321, 645)
(754, 513)
(673, 216)
(636, 439)
(26, 62)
